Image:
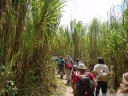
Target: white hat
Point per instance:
(82, 66)
(125, 78)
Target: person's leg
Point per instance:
(59, 70)
(104, 88)
(68, 76)
(66, 73)
(63, 71)
(98, 88)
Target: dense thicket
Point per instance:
(27, 28)
(30, 34)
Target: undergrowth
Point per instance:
(56, 88)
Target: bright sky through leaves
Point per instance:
(85, 10)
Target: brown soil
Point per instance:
(69, 91)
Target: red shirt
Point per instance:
(90, 75)
(75, 76)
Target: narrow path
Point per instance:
(69, 91)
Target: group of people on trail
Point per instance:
(86, 83)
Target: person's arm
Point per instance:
(119, 91)
(107, 70)
(95, 70)
(94, 73)
(71, 72)
(76, 81)
(94, 82)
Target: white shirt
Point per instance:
(98, 67)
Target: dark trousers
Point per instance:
(103, 86)
(61, 69)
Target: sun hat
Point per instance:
(125, 78)
(82, 66)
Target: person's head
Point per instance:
(68, 55)
(54, 55)
(60, 57)
(66, 59)
(75, 67)
(82, 68)
(125, 78)
(77, 60)
(100, 61)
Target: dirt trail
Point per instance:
(69, 91)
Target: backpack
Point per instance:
(68, 65)
(103, 76)
(61, 64)
(85, 87)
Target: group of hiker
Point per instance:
(85, 83)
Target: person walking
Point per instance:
(101, 72)
(61, 67)
(85, 82)
(123, 89)
(67, 69)
(74, 74)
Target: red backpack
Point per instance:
(68, 65)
